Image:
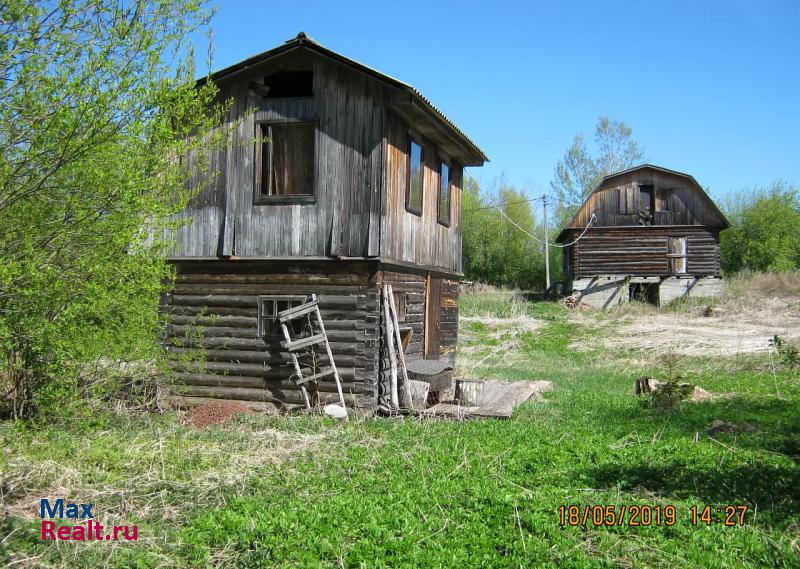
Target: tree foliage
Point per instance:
(97, 104)
(496, 251)
(765, 230)
(580, 170)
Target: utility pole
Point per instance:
(546, 246)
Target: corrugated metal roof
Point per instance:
(303, 40)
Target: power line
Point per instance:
(501, 205)
(532, 236)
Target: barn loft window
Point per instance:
(290, 84)
(445, 183)
(284, 162)
(645, 205)
(414, 178)
(662, 199)
(676, 255)
(268, 309)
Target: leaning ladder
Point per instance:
(310, 308)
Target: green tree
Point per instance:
(580, 170)
(765, 230)
(497, 247)
(97, 104)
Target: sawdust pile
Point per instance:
(216, 413)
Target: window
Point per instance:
(414, 177)
(676, 255)
(268, 309)
(662, 199)
(646, 199)
(400, 305)
(284, 162)
(445, 183)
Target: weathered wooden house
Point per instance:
(653, 235)
(343, 179)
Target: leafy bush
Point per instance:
(765, 231)
(90, 134)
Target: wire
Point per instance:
(503, 205)
(529, 234)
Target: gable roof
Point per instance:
(477, 156)
(689, 177)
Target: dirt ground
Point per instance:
(731, 328)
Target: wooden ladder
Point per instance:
(309, 309)
(395, 346)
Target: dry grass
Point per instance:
(752, 310)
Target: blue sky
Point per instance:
(709, 88)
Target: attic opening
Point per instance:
(290, 84)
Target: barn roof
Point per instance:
(712, 205)
(476, 155)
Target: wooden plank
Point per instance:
(499, 400)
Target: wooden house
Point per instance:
(647, 233)
(342, 180)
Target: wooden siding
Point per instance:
(359, 207)
(214, 307)
(412, 238)
(688, 204)
(345, 219)
(641, 251)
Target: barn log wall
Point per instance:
(642, 251)
(214, 307)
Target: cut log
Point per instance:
(419, 393)
(469, 392)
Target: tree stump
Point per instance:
(469, 392)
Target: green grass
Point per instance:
(426, 493)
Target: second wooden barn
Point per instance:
(342, 180)
(648, 233)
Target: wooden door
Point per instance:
(433, 317)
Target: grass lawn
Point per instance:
(307, 492)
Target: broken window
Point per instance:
(445, 183)
(290, 84)
(676, 255)
(414, 174)
(645, 205)
(662, 199)
(268, 309)
(284, 161)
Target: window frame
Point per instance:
(260, 198)
(445, 221)
(413, 139)
(261, 331)
(672, 258)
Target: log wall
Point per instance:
(642, 251)
(212, 328)
(214, 306)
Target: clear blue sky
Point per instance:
(709, 88)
